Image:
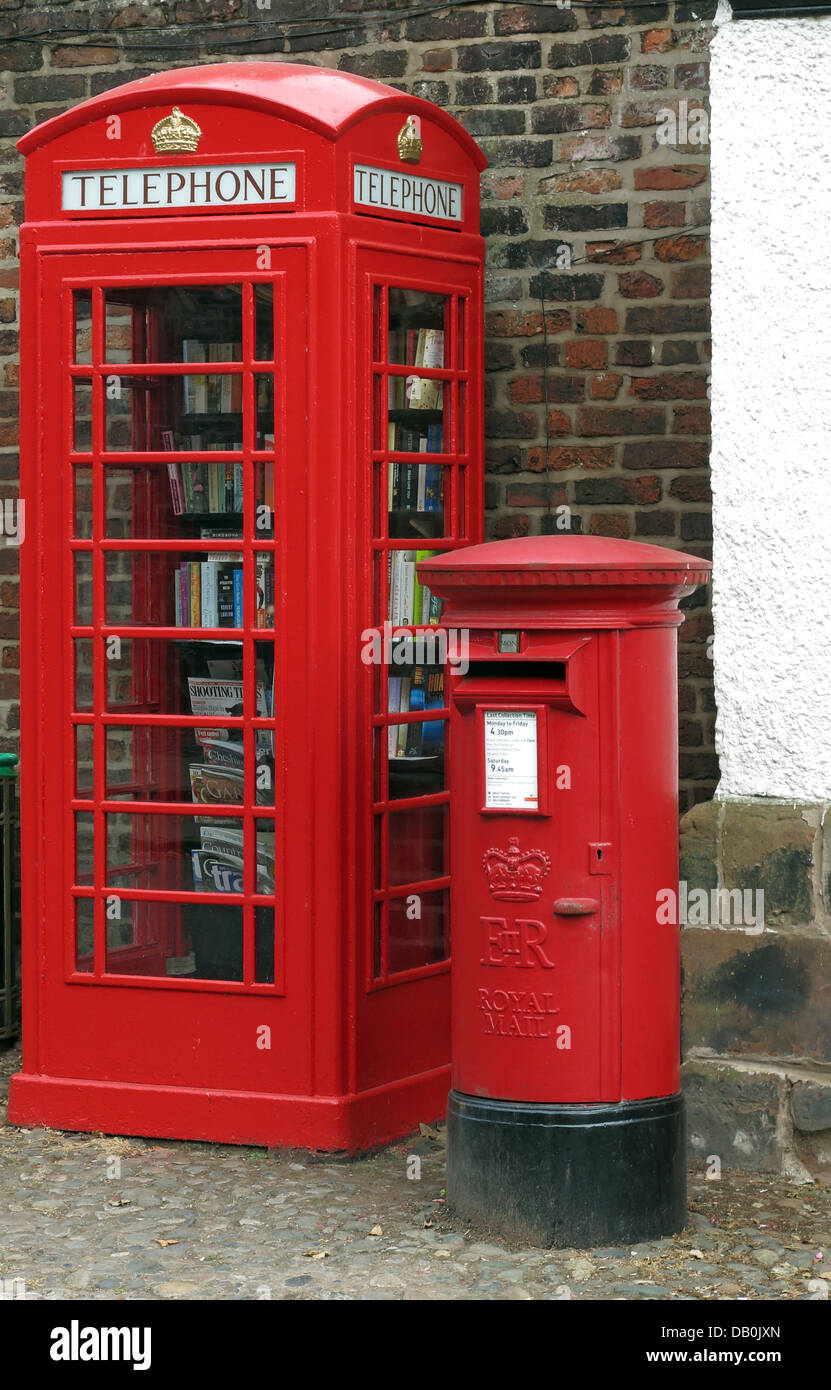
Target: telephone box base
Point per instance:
(568, 1175)
(333, 1124)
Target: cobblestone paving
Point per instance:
(92, 1217)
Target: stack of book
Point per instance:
(423, 689)
(411, 603)
(417, 347)
(209, 592)
(214, 394)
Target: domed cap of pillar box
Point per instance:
(563, 580)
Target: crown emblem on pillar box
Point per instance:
(175, 134)
(409, 141)
(515, 875)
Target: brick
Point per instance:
(11, 658)
(664, 214)
(593, 492)
(505, 459)
(513, 323)
(587, 353)
(664, 453)
(637, 284)
(691, 419)
(641, 113)
(21, 57)
(437, 59)
(379, 63)
(668, 318)
(540, 354)
(502, 221)
(602, 16)
(610, 48)
(532, 154)
(691, 282)
(596, 320)
(534, 495)
(680, 248)
(556, 120)
(591, 458)
(657, 41)
(582, 181)
(669, 386)
(633, 353)
(614, 524)
(667, 176)
(559, 86)
(691, 488)
(605, 387)
(471, 91)
(697, 526)
(517, 89)
(492, 120)
(447, 24)
(499, 57)
(581, 217)
(566, 287)
(605, 82)
(437, 92)
(612, 420)
(507, 527)
(613, 252)
(534, 19)
(673, 353)
(693, 77)
(502, 186)
(525, 390)
(510, 424)
(655, 523)
(598, 148)
(648, 77)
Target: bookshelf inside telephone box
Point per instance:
(252, 403)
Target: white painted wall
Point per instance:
(771, 395)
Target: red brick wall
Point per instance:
(601, 407)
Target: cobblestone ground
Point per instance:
(92, 1217)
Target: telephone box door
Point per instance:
(172, 401)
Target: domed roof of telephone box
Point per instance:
(320, 99)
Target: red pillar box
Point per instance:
(252, 398)
(565, 1122)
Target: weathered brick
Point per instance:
(593, 492)
(657, 41)
(605, 387)
(534, 19)
(669, 386)
(582, 217)
(574, 149)
(668, 318)
(532, 154)
(680, 248)
(596, 320)
(447, 24)
(655, 523)
(437, 59)
(696, 526)
(517, 89)
(592, 458)
(507, 527)
(587, 353)
(605, 82)
(610, 48)
(692, 488)
(664, 453)
(492, 120)
(615, 524)
(614, 252)
(471, 91)
(503, 221)
(559, 86)
(513, 323)
(556, 120)
(379, 63)
(676, 352)
(612, 420)
(534, 495)
(691, 282)
(633, 352)
(566, 287)
(691, 419)
(513, 254)
(602, 16)
(510, 424)
(692, 76)
(502, 186)
(21, 57)
(664, 214)
(582, 181)
(540, 354)
(648, 77)
(666, 176)
(637, 284)
(499, 57)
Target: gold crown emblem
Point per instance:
(409, 142)
(175, 133)
(515, 875)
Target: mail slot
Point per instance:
(565, 1120)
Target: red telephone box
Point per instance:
(252, 401)
(565, 1122)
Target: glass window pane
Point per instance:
(151, 412)
(198, 501)
(84, 761)
(84, 934)
(417, 931)
(83, 588)
(417, 501)
(416, 844)
(82, 431)
(82, 487)
(416, 326)
(160, 939)
(264, 310)
(174, 323)
(82, 300)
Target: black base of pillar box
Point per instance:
(568, 1175)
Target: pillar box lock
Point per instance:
(565, 1119)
